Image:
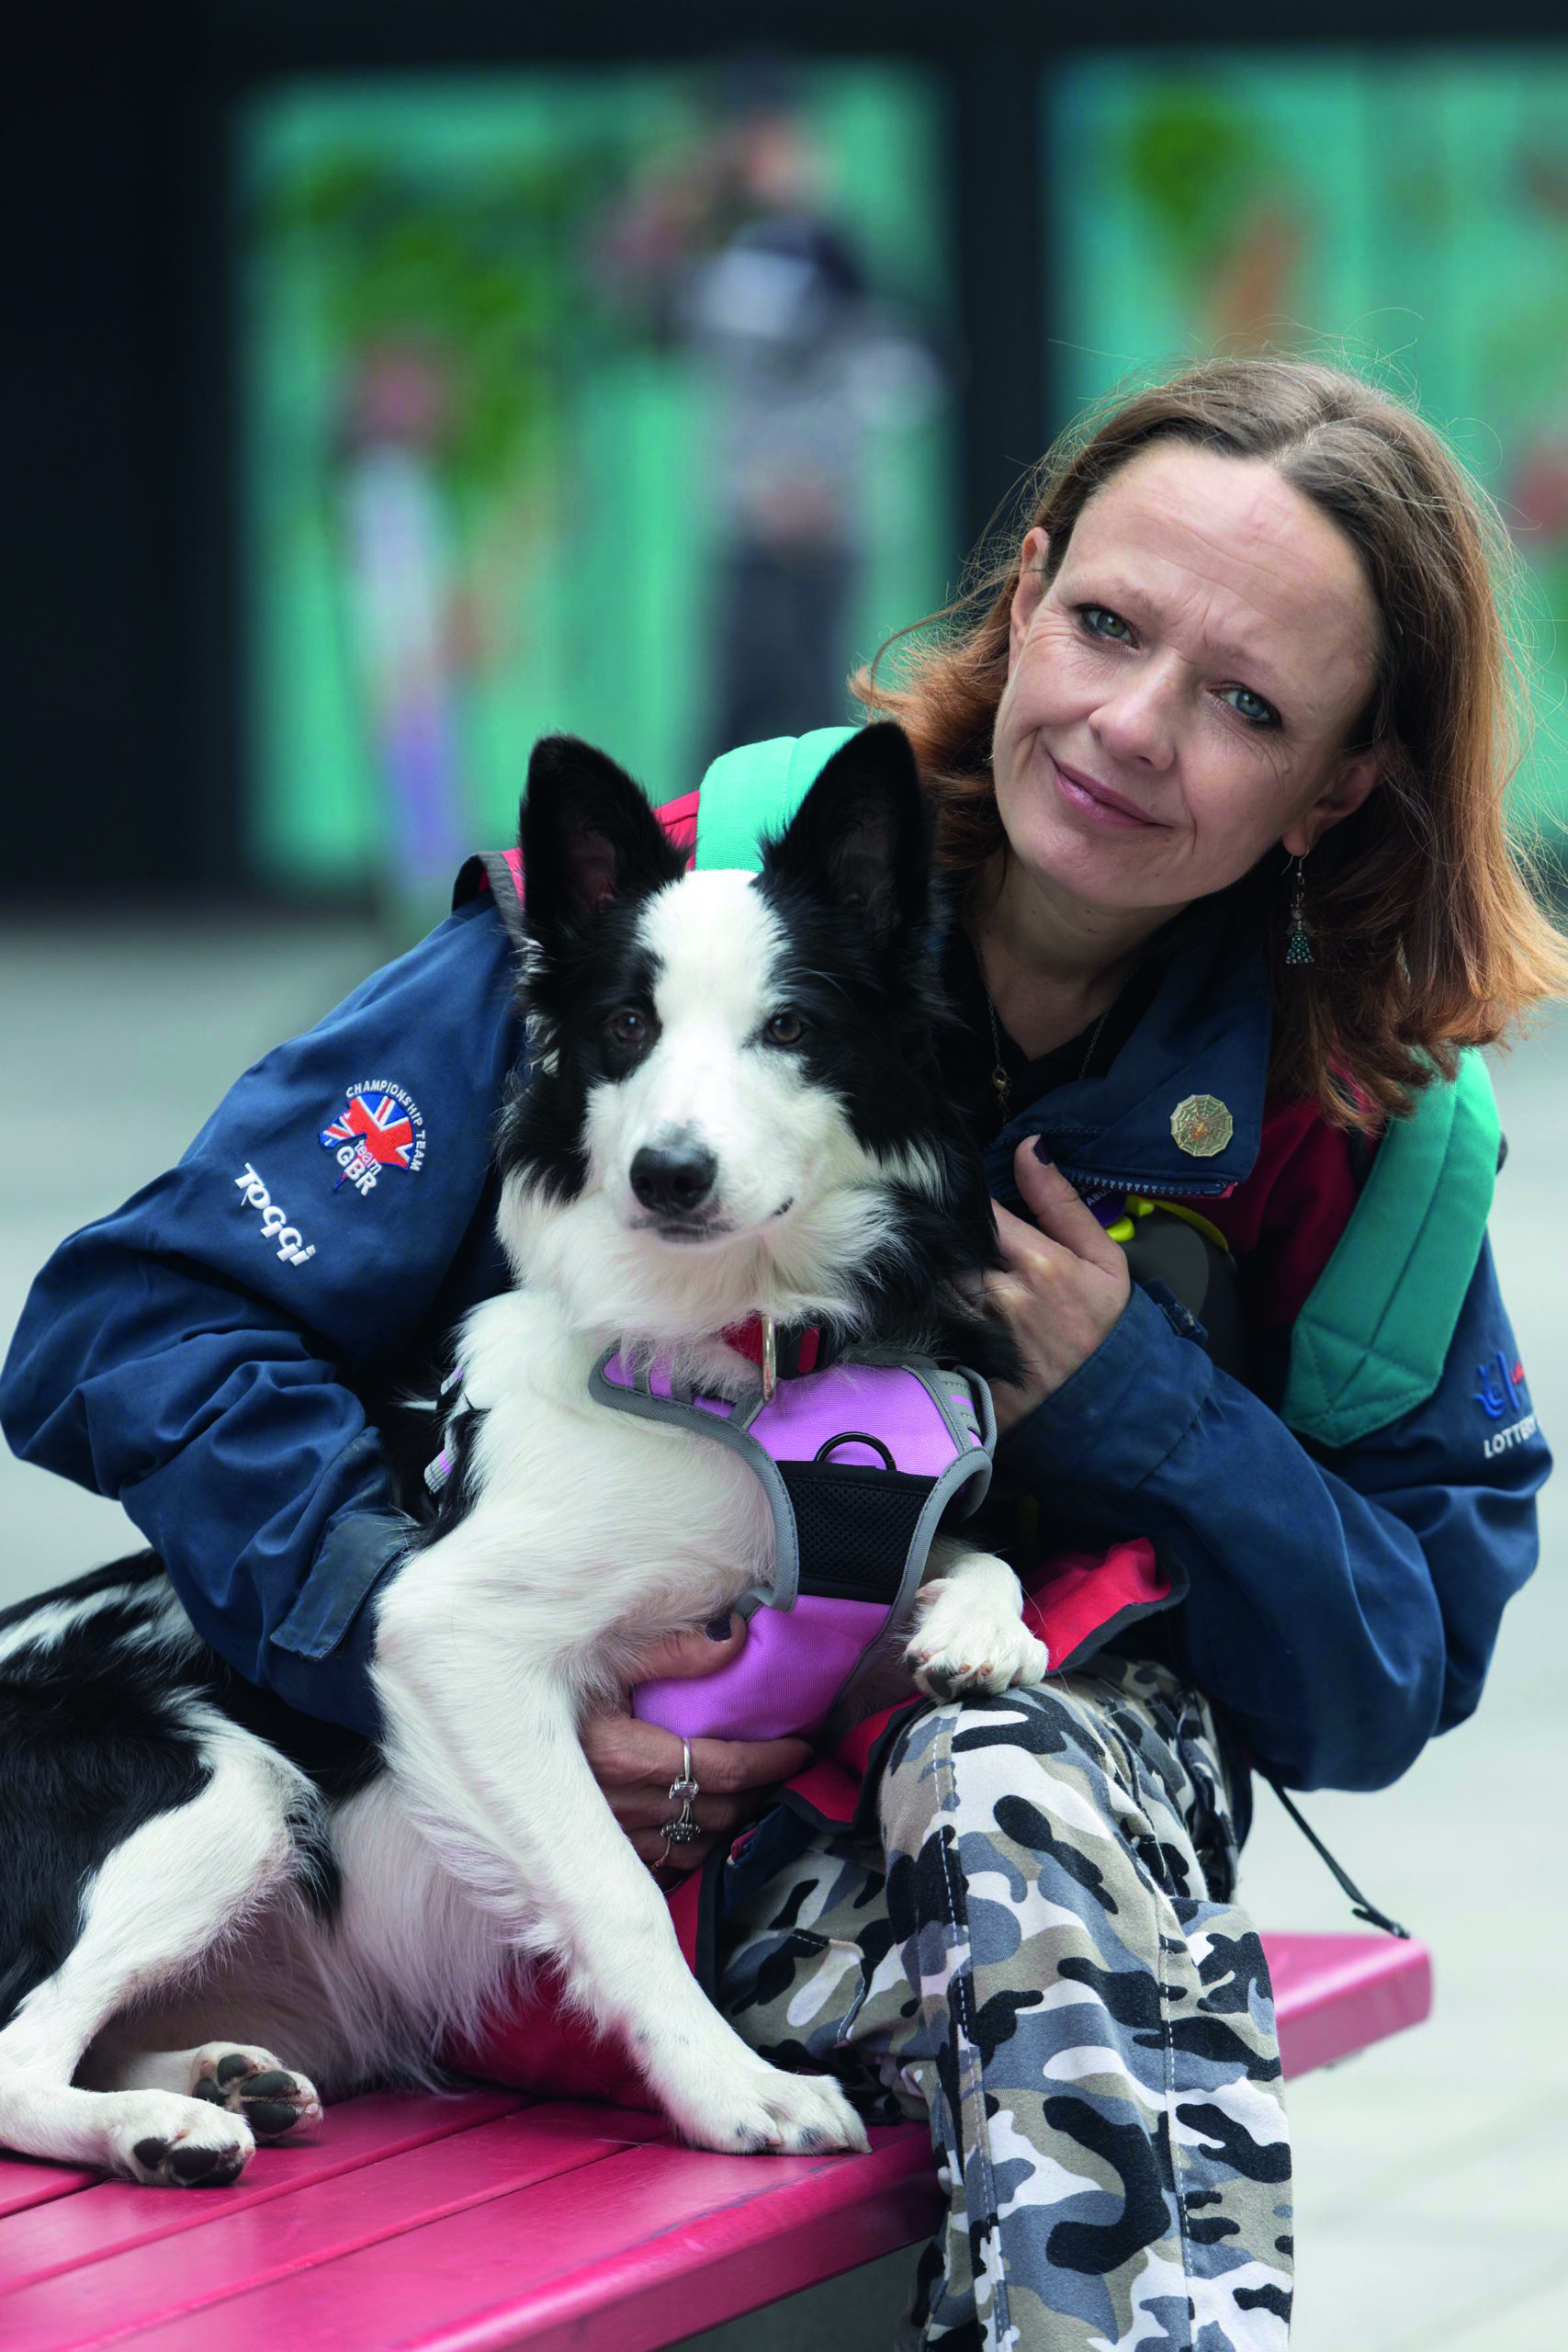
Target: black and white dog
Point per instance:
(735, 1109)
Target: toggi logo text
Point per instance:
(275, 1225)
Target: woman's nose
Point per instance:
(1138, 721)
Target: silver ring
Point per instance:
(685, 1787)
(683, 1829)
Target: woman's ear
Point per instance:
(1357, 775)
(1028, 596)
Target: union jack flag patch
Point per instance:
(380, 1127)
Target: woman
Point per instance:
(1249, 626)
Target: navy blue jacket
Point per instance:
(199, 1354)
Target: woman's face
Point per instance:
(1181, 694)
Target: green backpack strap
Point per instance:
(1372, 1341)
(756, 790)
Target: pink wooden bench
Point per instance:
(473, 2221)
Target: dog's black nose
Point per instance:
(673, 1179)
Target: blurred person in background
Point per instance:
(1218, 756)
(736, 251)
(400, 574)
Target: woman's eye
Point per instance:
(1250, 707)
(630, 1027)
(783, 1029)
(1099, 621)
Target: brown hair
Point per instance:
(1427, 935)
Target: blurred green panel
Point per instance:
(483, 441)
(1406, 212)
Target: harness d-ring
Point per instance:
(855, 1437)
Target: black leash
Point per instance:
(1360, 1907)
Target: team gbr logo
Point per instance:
(381, 1127)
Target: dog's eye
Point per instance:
(783, 1029)
(630, 1027)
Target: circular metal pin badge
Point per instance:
(1202, 1126)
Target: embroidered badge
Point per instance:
(380, 1127)
(1500, 1383)
(1202, 1126)
(1500, 1389)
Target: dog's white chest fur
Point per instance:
(600, 1529)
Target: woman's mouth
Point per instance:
(1098, 805)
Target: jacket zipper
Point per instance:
(1101, 1183)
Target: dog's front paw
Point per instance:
(961, 1646)
(161, 2140)
(760, 2110)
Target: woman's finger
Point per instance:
(650, 1847)
(623, 1753)
(650, 1809)
(679, 1657)
(1060, 1213)
(725, 1767)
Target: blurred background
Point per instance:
(388, 384)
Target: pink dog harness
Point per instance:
(861, 1464)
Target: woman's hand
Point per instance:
(1065, 1289)
(635, 1762)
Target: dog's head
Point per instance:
(735, 1102)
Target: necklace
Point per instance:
(1001, 1077)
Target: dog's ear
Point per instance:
(588, 838)
(862, 837)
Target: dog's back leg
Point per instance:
(161, 1902)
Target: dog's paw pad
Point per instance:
(269, 2119)
(188, 2164)
(274, 2101)
(1013, 1659)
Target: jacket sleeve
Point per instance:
(1342, 1606)
(189, 1355)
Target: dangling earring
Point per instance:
(1298, 946)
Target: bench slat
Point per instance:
(1333, 1995)
(115, 2216)
(379, 2124)
(151, 2286)
(25, 2181)
(650, 2244)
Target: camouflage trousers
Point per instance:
(1042, 1954)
